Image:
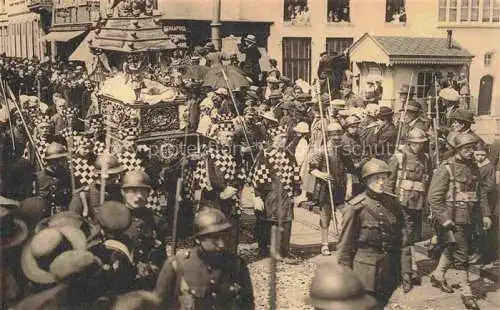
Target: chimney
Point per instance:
(449, 37)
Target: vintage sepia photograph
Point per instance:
(249, 154)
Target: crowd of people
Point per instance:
(85, 225)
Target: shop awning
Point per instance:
(61, 36)
(82, 52)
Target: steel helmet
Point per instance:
(113, 165)
(210, 220)
(417, 135)
(352, 120)
(337, 287)
(464, 139)
(374, 166)
(137, 179)
(55, 151)
(301, 127)
(334, 127)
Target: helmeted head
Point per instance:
(375, 174)
(210, 228)
(111, 166)
(136, 186)
(417, 139)
(335, 130)
(465, 145)
(334, 287)
(461, 120)
(352, 123)
(56, 156)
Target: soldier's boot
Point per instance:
(468, 299)
(415, 277)
(438, 275)
(324, 241)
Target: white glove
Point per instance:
(228, 192)
(258, 204)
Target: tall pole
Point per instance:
(216, 40)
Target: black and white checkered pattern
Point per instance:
(129, 131)
(99, 147)
(188, 182)
(130, 161)
(200, 176)
(225, 162)
(95, 121)
(277, 131)
(154, 201)
(70, 112)
(84, 173)
(68, 132)
(40, 118)
(41, 145)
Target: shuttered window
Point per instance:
(297, 58)
(336, 46)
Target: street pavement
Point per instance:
(294, 280)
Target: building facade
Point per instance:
(303, 29)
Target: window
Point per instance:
(395, 11)
(424, 83)
(488, 57)
(464, 10)
(452, 14)
(297, 58)
(338, 11)
(442, 10)
(297, 12)
(486, 10)
(496, 11)
(336, 46)
(474, 11)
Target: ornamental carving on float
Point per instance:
(133, 8)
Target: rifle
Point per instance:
(402, 118)
(70, 154)
(436, 119)
(274, 252)
(325, 149)
(238, 113)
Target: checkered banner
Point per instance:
(130, 161)
(84, 173)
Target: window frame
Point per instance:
(301, 60)
(342, 5)
(423, 89)
(488, 59)
(292, 21)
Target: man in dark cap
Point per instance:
(208, 275)
(460, 122)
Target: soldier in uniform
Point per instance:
(460, 122)
(207, 276)
(53, 182)
(87, 199)
(353, 149)
(381, 140)
(335, 287)
(373, 241)
(147, 250)
(410, 176)
(455, 191)
(340, 166)
(413, 119)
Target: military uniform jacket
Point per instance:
(410, 177)
(373, 242)
(418, 122)
(187, 281)
(455, 191)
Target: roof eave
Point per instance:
(430, 60)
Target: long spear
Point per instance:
(70, 153)
(8, 111)
(325, 149)
(238, 113)
(402, 118)
(436, 119)
(30, 138)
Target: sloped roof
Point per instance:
(416, 46)
(409, 50)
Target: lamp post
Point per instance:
(215, 25)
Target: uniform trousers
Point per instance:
(459, 255)
(414, 225)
